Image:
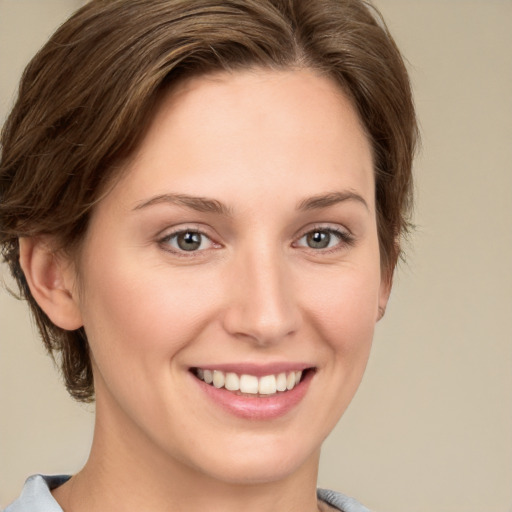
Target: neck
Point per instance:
(126, 472)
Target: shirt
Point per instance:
(36, 497)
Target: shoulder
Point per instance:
(340, 501)
(36, 495)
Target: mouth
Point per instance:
(245, 384)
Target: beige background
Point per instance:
(431, 428)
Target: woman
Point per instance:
(202, 202)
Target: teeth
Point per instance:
(232, 382)
(267, 385)
(281, 382)
(290, 381)
(218, 379)
(250, 384)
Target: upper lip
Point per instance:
(258, 370)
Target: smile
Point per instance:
(254, 392)
(246, 384)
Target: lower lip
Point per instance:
(257, 407)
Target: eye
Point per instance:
(324, 238)
(187, 240)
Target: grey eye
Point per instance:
(189, 240)
(324, 238)
(318, 239)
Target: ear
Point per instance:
(51, 279)
(386, 284)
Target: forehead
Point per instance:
(251, 130)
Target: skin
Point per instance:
(261, 143)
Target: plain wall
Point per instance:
(431, 426)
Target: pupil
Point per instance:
(319, 239)
(189, 241)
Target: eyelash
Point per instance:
(164, 242)
(345, 239)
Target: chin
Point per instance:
(260, 464)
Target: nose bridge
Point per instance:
(262, 304)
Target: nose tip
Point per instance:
(262, 306)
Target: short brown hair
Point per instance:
(86, 98)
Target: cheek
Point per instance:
(343, 308)
(348, 298)
(144, 311)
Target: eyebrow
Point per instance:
(326, 200)
(200, 204)
(207, 205)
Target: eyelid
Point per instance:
(346, 237)
(166, 235)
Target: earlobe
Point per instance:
(384, 293)
(51, 282)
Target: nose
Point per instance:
(262, 306)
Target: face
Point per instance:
(240, 245)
